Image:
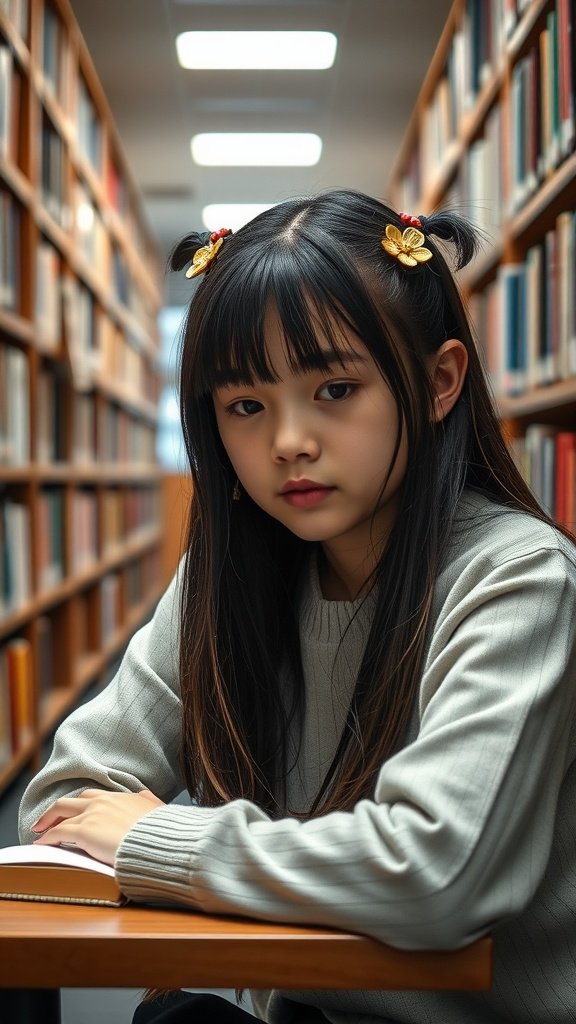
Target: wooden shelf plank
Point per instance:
(542, 399)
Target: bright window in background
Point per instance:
(169, 441)
(231, 215)
(298, 51)
(256, 149)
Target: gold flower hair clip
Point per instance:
(406, 246)
(206, 254)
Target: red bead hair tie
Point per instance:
(414, 222)
(221, 233)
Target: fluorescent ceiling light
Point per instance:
(298, 51)
(256, 149)
(231, 215)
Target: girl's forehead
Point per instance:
(282, 363)
(337, 349)
(285, 338)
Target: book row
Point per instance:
(67, 312)
(546, 458)
(526, 317)
(79, 381)
(478, 187)
(74, 103)
(69, 426)
(55, 66)
(540, 120)
(102, 432)
(30, 671)
(69, 532)
(543, 99)
(94, 247)
(473, 59)
(65, 308)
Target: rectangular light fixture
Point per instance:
(299, 51)
(256, 149)
(231, 215)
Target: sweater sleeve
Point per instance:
(128, 737)
(458, 834)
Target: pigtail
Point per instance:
(184, 250)
(199, 250)
(449, 227)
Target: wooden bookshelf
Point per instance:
(80, 489)
(493, 136)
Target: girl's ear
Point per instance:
(448, 368)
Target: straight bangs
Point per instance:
(321, 304)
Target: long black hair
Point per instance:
(319, 263)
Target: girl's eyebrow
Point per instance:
(319, 361)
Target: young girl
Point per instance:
(364, 670)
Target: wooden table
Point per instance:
(47, 946)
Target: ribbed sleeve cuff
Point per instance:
(155, 861)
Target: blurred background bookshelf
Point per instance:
(80, 379)
(493, 136)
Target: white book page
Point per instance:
(53, 855)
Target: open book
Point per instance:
(55, 874)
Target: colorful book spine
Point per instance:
(18, 654)
(565, 480)
(531, 341)
(546, 458)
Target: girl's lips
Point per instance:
(307, 496)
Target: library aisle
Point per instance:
(80, 379)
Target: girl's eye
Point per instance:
(245, 407)
(336, 391)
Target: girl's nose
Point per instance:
(292, 441)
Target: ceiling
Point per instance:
(360, 107)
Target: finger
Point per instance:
(62, 834)
(66, 807)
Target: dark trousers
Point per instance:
(191, 1008)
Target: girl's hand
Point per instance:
(96, 821)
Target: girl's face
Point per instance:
(314, 449)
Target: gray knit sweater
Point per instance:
(472, 827)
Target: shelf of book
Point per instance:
(90, 668)
(80, 288)
(493, 136)
(558, 400)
